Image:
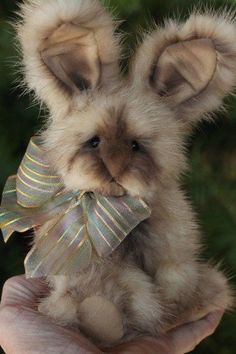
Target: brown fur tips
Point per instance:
(114, 134)
(191, 65)
(66, 46)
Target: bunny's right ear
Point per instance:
(68, 48)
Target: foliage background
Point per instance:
(211, 183)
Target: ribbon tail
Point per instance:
(62, 249)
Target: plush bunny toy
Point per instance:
(116, 136)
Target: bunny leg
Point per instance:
(192, 291)
(213, 293)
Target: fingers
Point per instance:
(23, 330)
(22, 291)
(19, 320)
(143, 345)
(185, 338)
(178, 341)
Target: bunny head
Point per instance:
(106, 128)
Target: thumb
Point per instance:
(178, 341)
(24, 292)
(185, 338)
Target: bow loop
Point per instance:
(112, 219)
(35, 184)
(67, 249)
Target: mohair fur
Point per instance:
(156, 278)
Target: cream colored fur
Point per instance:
(155, 279)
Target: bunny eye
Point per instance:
(94, 142)
(135, 146)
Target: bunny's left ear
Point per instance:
(190, 66)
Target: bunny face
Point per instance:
(110, 130)
(111, 142)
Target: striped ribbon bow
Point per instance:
(73, 225)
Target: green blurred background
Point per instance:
(211, 183)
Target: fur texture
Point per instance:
(117, 135)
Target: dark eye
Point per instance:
(94, 142)
(135, 145)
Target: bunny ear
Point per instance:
(68, 48)
(190, 66)
(72, 57)
(184, 69)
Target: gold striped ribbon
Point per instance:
(74, 224)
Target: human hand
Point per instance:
(23, 330)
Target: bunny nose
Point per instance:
(115, 163)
